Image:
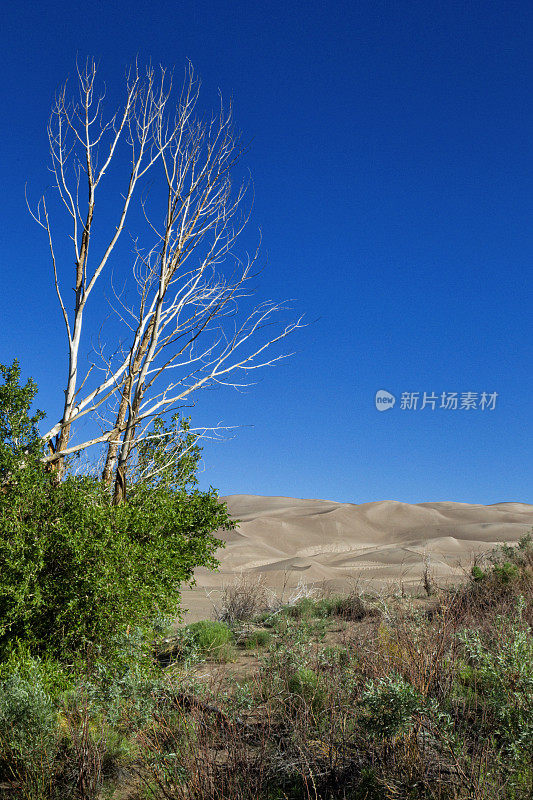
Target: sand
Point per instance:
(290, 540)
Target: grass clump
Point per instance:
(212, 639)
(350, 607)
(304, 683)
(257, 639)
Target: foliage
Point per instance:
(305, 684)
(257, 638)
(496, 677)
(212, 639)
(391, 704)
(169, 455)
(347, 607)
(74, 569)
(342, 720)
(124, 675)
(19, 437)
(29, 733)
(508, 564)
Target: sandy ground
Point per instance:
(289, 541)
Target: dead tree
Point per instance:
(190, 325)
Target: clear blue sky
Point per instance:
(392, 157)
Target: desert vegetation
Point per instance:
(105, 694)
(312, 695)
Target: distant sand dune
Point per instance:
(289, 540)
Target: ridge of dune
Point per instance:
(291, 539)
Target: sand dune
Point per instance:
(289, 540)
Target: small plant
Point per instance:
(305, 684)
(213, 639)
(305, 607)
(29, 731)
(349, 607)
(257, 638)
(333, 657)
(496, 677)
(390, 705)
(242, 600)
(478, 574)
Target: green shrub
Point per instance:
(496, 678)
(19, 437)
(259, 638)
(349, 607)
(125, 676)
(29, 732)
(496, 585)
(506, 572)
(389, 706)
(305, 607)
(266, 618)
(477, 573)
(334, 657)
(74, 569)
(304, 683)
(213, 639)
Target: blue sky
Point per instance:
(391, 147)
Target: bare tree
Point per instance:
(186, 329)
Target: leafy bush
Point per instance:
(496, 678)
(304, 607)
(126, 675)
(74, 569)
(29, 732)
(507, 565)
(349, 607)
(19, 437)
(168, 457)
(334, 657)
(391, 704)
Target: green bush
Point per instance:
(213, 639)
(305, 607)
(349, 607)
(19, 437)
(29, 732)
(74, 569)
(496, 679)
(390, 705)
(259, 638)
(125, 676)
(304, 683)
(334, 657)
(510, 565)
